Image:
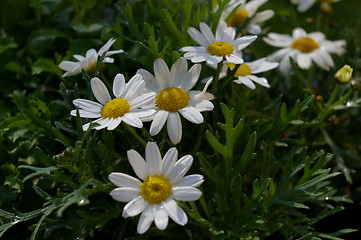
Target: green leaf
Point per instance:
(247, 155)
(215, 144)
(289, 204)
(208, 169)
(37, 171)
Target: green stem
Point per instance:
(216, 77)
(135, 135)
(328, 105)
(337, 153)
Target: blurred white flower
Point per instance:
(218, 47)
(163, 182)
(127, 106)
(246, 11)
(304, 5)
(89, 61)
(174, 96)
(304, 48)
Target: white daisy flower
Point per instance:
(127, 106)
(246, 11)
(163, 182)
(304, 48)
(245, 72)
(174, 96)
(89, 61)
(214, 49)
(304, 5)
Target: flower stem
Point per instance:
(216, 78)
(135, 135)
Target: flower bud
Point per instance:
(344, 74)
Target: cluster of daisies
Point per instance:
(166, 94)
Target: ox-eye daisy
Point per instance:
(304, 5)
(89, 61)
(243, 12)
(127, 106)
(245, 72)
(215, 49)
(304, 48)
(163, 182)
(174, 96)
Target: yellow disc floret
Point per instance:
(243, 70)
(221, 49)
(114, 108)
(238, 18)
(305, 44)
(155, 189)
(172, 99)
(90, 70)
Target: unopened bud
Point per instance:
(344, 74)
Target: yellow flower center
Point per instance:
(155, 189)
(305, 44)
(172, 99)
(243, 70)
(92, 67)
(238, 18)
(114, 108)
(326, 1)
(220, 49)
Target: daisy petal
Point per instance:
(197, 36)
(160, 217)
(115, 123)
(191, 77)
(88, 105)
(132, 120)
(106, 46)
(100, 91)
(193, 180)
(175, 212)
(303, 60)
(145, 220)
(180, 169)
(86, 114)
(124, 194)
(162, 73)
(118, 85)
(138, 164)
(158, 122)
(186, 193)
(124, 180)
(153, 159)
(191, 114)
(174, 127)
(169, 161)
(207, 33)
(134, 207)
(178, 72)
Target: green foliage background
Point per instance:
(277, 163)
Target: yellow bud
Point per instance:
(344, 74)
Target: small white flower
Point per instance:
(164, 181)
(127, 106)
(304, 48)
(174, 96)
(304, 5)
(246, 11)
(245, 72)
(89, 61)
(214, 49)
